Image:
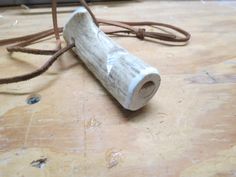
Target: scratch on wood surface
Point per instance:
(208, 78)
(85, 132)
(211, 77)
(85, 147)
(28, 129)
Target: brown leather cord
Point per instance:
(129, 27)
(56, 31)
(31, 38)
(90, 12)
(20, 46)
(55, 25)
(39, 71)
(23, 38)
(31, 50)
(54, 19)
(141, 33)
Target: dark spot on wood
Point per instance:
(33, 99)
(40, 163)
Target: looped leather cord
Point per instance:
(141, 33)
(26, 40)
(20, 46)
(39, 71)
(129, 27)
(56, 31)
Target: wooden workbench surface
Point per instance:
(76, 129)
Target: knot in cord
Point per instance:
(141, 33)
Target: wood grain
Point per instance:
(187, 129)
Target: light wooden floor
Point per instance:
(187, 130)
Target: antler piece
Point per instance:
(131, 81)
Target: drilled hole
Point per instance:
(147, 89)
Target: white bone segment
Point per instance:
(131, 81)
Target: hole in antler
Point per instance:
(147, 89)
